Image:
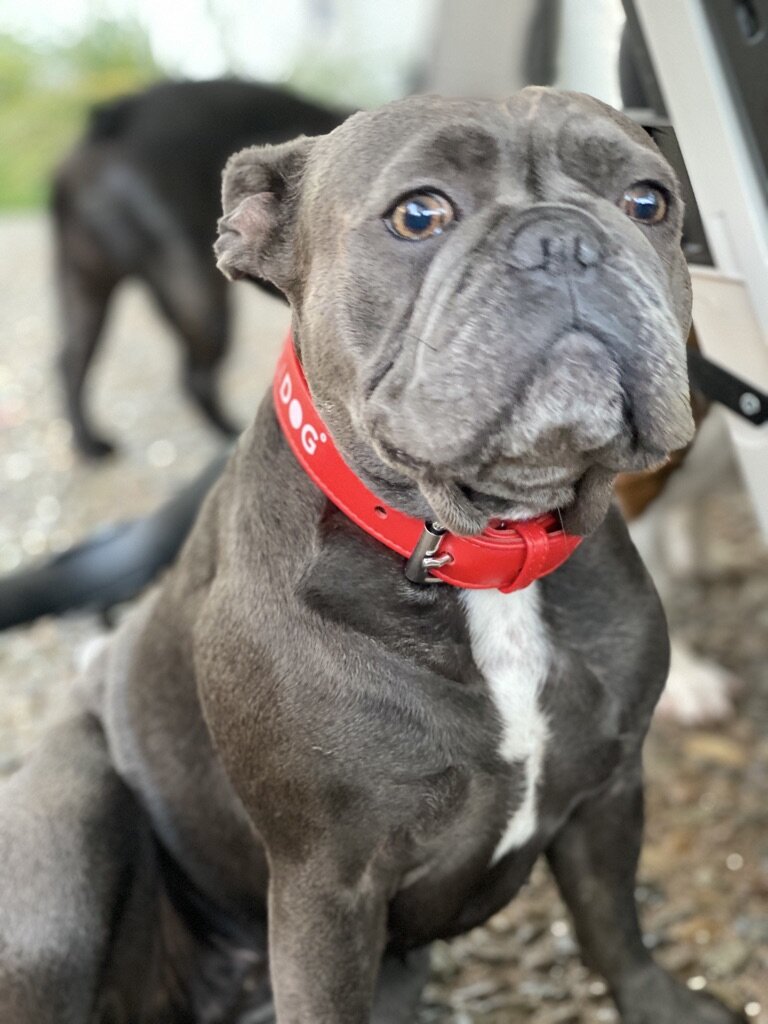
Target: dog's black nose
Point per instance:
(557, 244)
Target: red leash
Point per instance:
(506, 556)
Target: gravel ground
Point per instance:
(704, 876)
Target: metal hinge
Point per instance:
(425, 555)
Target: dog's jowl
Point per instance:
(312, 752)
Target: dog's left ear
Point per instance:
(259, 197)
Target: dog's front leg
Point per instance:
(594, 859)
(326, 939)
(77, 882)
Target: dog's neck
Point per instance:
(506, 556)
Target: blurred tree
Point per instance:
(111, 46)
(17, 68)
(46, 90)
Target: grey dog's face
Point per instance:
(490, 299)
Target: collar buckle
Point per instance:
(425, 556)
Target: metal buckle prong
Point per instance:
(425, 555)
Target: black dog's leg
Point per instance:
(72, 850)
(594, 859)
(194, 298)
(206, 346)
(84, 298)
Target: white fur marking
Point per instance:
(510, 647)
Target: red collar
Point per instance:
(506, 556)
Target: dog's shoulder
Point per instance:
(605, 615)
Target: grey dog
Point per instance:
(292, 768)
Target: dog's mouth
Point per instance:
(517, 446)
(580, 504)
(467, 503)
(465, 499)
(526, 504)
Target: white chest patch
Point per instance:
(511, 649)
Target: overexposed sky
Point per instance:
(269, 39)
(261, 38)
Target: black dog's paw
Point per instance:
(220, 421)
(228, 427)
(657, 998)
(92, 447)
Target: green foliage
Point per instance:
(110, 46)
(17, 68)
(334, 79)
(45, 94)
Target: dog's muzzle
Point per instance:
(557, 245)
(534, 345)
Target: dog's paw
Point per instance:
(698, 691)
(657, 998)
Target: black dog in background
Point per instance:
(139, 196)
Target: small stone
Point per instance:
(443, 961)
(727, 958)
(17, 467)
(606, 1015)
(10, 557)
(48, 509)
(716, 749)
(34, 542)
(527, 933)
(563, 1016)
(495, 953)
(161, 453)
(678, 959)
(476, 990)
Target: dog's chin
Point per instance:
(521, 506)
(580, 496)
(467, 511)
(581, 505)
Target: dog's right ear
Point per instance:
(259, 197)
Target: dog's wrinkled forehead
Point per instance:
(538, 142)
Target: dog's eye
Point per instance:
(420, 216)
(644, 203)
